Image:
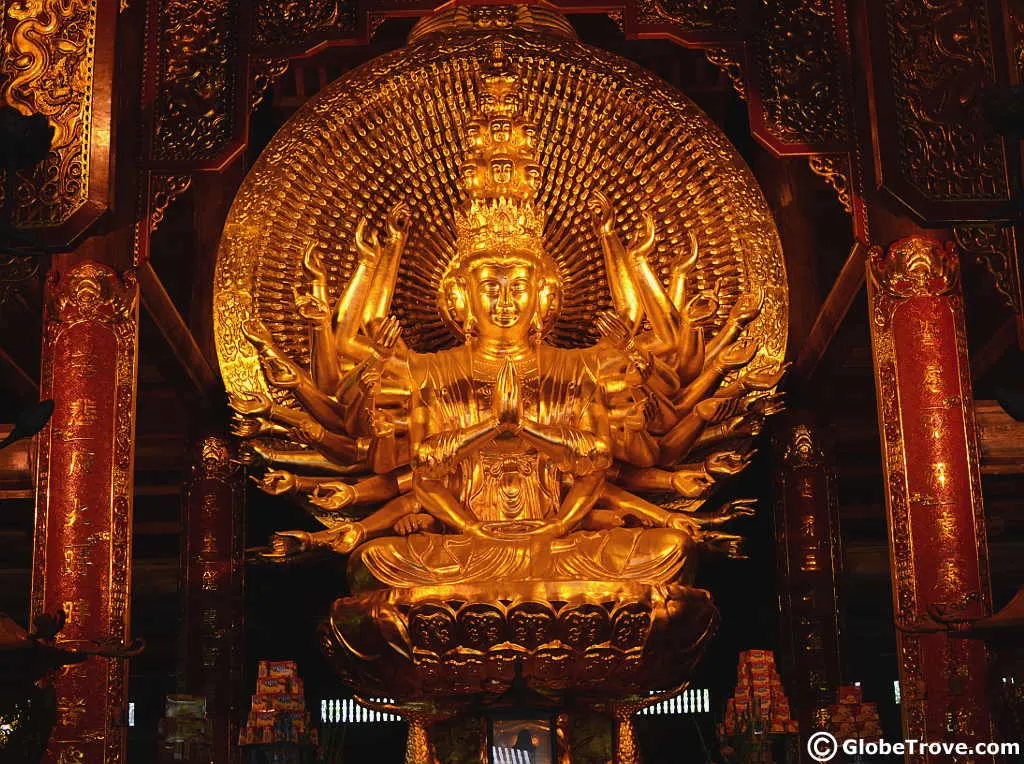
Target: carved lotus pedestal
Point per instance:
(568, 646)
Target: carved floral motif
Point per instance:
(197, 79)
(941, 58)
(216, 458)
(92, 292)
(690, 15)
(835, 169)
(798, 52)
(802, 449)
(165, 189)
(264, 71)
(292, 23)
(995, 246)
(461, 649)
(729, 62)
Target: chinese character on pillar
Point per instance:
(82, 552)
(809, 560)
(938, 548)
(212, 563)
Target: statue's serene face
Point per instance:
(503, 296)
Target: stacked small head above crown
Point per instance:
(500, 223)
(500, 172)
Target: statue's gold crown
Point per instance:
(500, 172)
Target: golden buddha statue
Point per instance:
(506, 458)
(513, 420)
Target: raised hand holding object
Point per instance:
(728, 462)
(276, 482)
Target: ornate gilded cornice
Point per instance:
(937, 151)
(537, 19)
(942, 58)
(798, 51)
(277, 23)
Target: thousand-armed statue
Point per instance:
(508, 367)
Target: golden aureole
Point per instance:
(503, 311)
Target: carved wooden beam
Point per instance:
(1001, 438)
(845, 289)
(20, 382)
(990, 353)
(17, 463)
(175, 331)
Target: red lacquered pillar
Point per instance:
(213, 564)
(82, 546)
(938, 548)
(809, 559)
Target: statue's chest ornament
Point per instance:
(509, 480)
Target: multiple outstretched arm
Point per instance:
(660, 397)
(349, 418)
(681, 405)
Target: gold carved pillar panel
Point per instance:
(938, 549)
(58, 61)
(212, 564)
(809, 558)
(82, 557)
